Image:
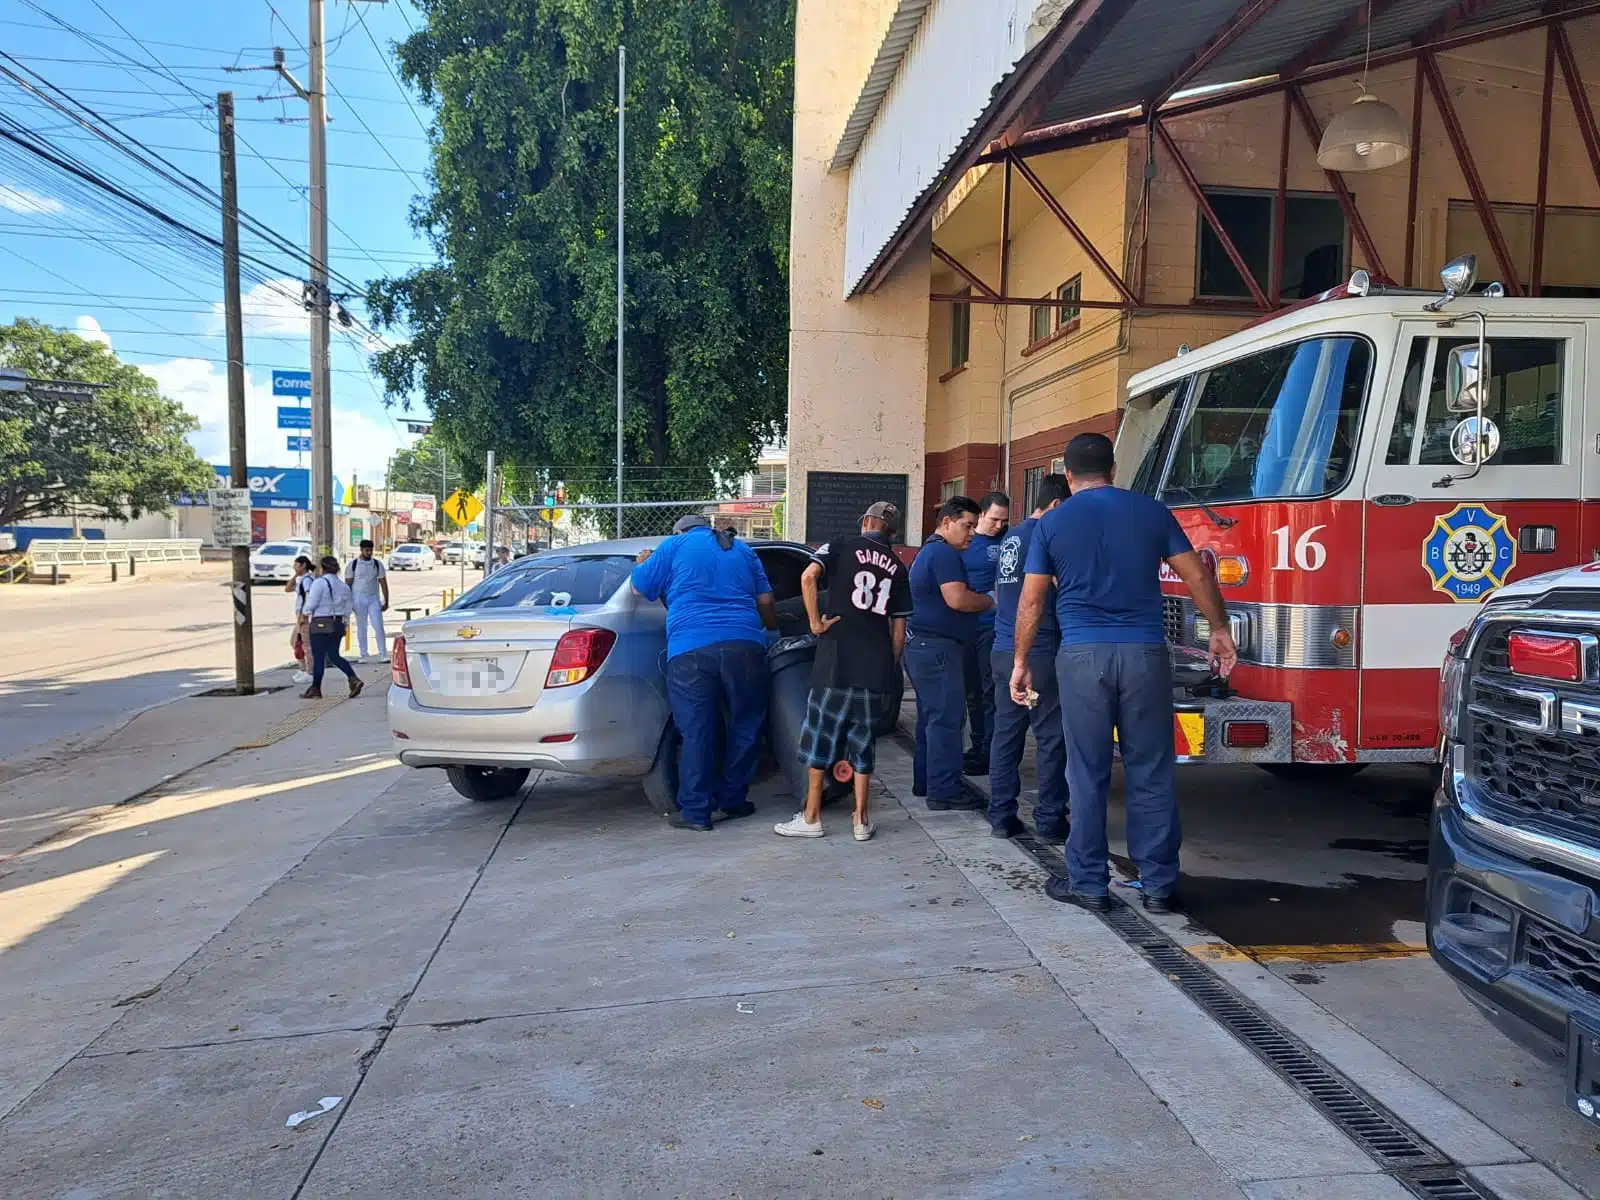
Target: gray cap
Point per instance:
(883, 511)
(692, 521)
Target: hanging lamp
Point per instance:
(1367, 136)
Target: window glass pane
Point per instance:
(951, 488)
(1042, 315)
(1146, 435)
(1524, 401)
(1248, 220)
(1405, 419)
(1313, 246)
(565, 581)
(1279, 423)
(1069, 292)
(1031, 479)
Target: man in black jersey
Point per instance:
(859, 642)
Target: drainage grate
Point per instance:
(1404, 1153)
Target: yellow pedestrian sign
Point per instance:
(463, 507)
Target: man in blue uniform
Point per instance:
(718, 601)
(944, 623)
(1104, 547)
(1012, 720)
(982, 556)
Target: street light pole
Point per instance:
(622, 174)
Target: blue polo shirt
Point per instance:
(710, 592)
(982, 557)
(1105, 546)
(1008, 590)
(937, 563)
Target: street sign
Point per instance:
(419, 427)
(230, 516)
(294, 418)
(299, 444)
(291, 383)
(463, 507)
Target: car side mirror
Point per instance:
(1468, 373)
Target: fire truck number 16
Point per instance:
(1309, 554)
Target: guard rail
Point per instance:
(83, 553)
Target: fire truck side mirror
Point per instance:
(1475, 441)
(1469, 371)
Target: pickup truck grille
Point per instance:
(1560, 960)
(1526, 767)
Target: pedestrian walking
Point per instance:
(719, 605)
(943, 624)
(982, 557)
(861, 634)
(368, 581)
(1104, 547)
(328, 604)
(1043, 712)
(299, 640)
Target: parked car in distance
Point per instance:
(453, 552)
(411, 556)
(1514, 856)
(274, 562)
(555, 663)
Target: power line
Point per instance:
(360, 16)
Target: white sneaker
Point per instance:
(302, 677)
(864, 832)
(798, 826)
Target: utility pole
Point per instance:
(318, 299)
(489, 495)
(622, 174)
(244, 654)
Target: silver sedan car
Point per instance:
(553, 663)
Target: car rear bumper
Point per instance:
(1520, 940)
(614, 727)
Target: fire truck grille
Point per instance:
(1172, 616)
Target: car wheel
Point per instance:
(488, 783)
(1305, 772)
(661, 784)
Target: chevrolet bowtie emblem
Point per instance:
(468, 631)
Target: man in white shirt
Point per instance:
(369, 583)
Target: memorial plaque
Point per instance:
(836, 501)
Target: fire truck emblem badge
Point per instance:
(1470, 553)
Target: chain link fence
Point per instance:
(546, 508)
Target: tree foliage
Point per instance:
(120, 450)
(512, 336)
(427, 468)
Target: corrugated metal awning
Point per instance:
(902, 28)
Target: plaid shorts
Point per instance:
(840, 724)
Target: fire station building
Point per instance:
(1005, 209)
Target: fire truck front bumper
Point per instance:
(1232, 731)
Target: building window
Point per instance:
(1315, 246)
(1068, 295)
(1031, 479)
(960, 332)
(951, 488)
(770, 480)
(1571, 246)
(1041, 317)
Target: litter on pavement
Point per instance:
(328, 1103)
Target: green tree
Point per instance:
(120, 449)
(427, 468)
(512, 335)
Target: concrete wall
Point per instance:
(858, 370)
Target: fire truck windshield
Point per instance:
(1280, 423)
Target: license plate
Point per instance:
(482, 676)
(1583, 1067)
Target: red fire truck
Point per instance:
(1362, 474)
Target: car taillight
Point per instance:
(578, 656)
(1545, 656)
(1246, 735)
(397, 664)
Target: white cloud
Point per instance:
(362, 443)
(274, 308)
(89, 330)
(29, 204)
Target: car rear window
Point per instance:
(408, 549)
(563, 582)
(279, 548)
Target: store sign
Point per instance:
(294, 418)
(291, 383)
(270, 487)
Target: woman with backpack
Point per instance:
(328, 606)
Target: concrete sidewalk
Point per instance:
(54, 789)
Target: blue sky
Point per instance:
(72, 256)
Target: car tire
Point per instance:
(488, 783)
(1307, 772)
(661, 784)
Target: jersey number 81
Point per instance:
(862, 597)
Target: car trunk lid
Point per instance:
(482, 660)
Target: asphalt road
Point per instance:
(140, 642)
